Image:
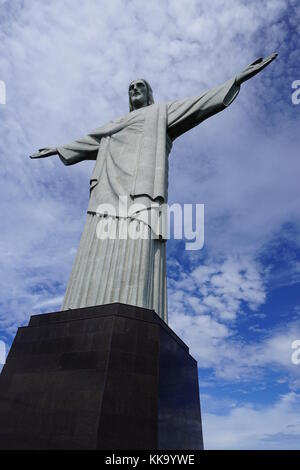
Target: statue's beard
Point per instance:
(138, 103)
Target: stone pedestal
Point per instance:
(108, 377)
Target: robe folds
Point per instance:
(131, 156)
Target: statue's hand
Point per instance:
(43, 153)
(254, 68)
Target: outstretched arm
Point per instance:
(255, 67)
(43, 153)
(85, 148)
(185, 114)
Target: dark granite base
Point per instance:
(108, 377)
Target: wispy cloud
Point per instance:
(276, 426)
(207, 306)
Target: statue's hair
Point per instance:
(150, 99)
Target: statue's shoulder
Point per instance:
(138, 114)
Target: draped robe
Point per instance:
(131, 156)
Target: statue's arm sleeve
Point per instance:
(186, 114)
(85, 148)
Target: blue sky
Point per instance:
(67, 65)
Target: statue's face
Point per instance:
(138, 94)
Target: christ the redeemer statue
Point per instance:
(131, 156)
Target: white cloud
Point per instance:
(206, 306)
(50, 303)
(221, 287)
(276, 426)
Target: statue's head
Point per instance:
(140, 94)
